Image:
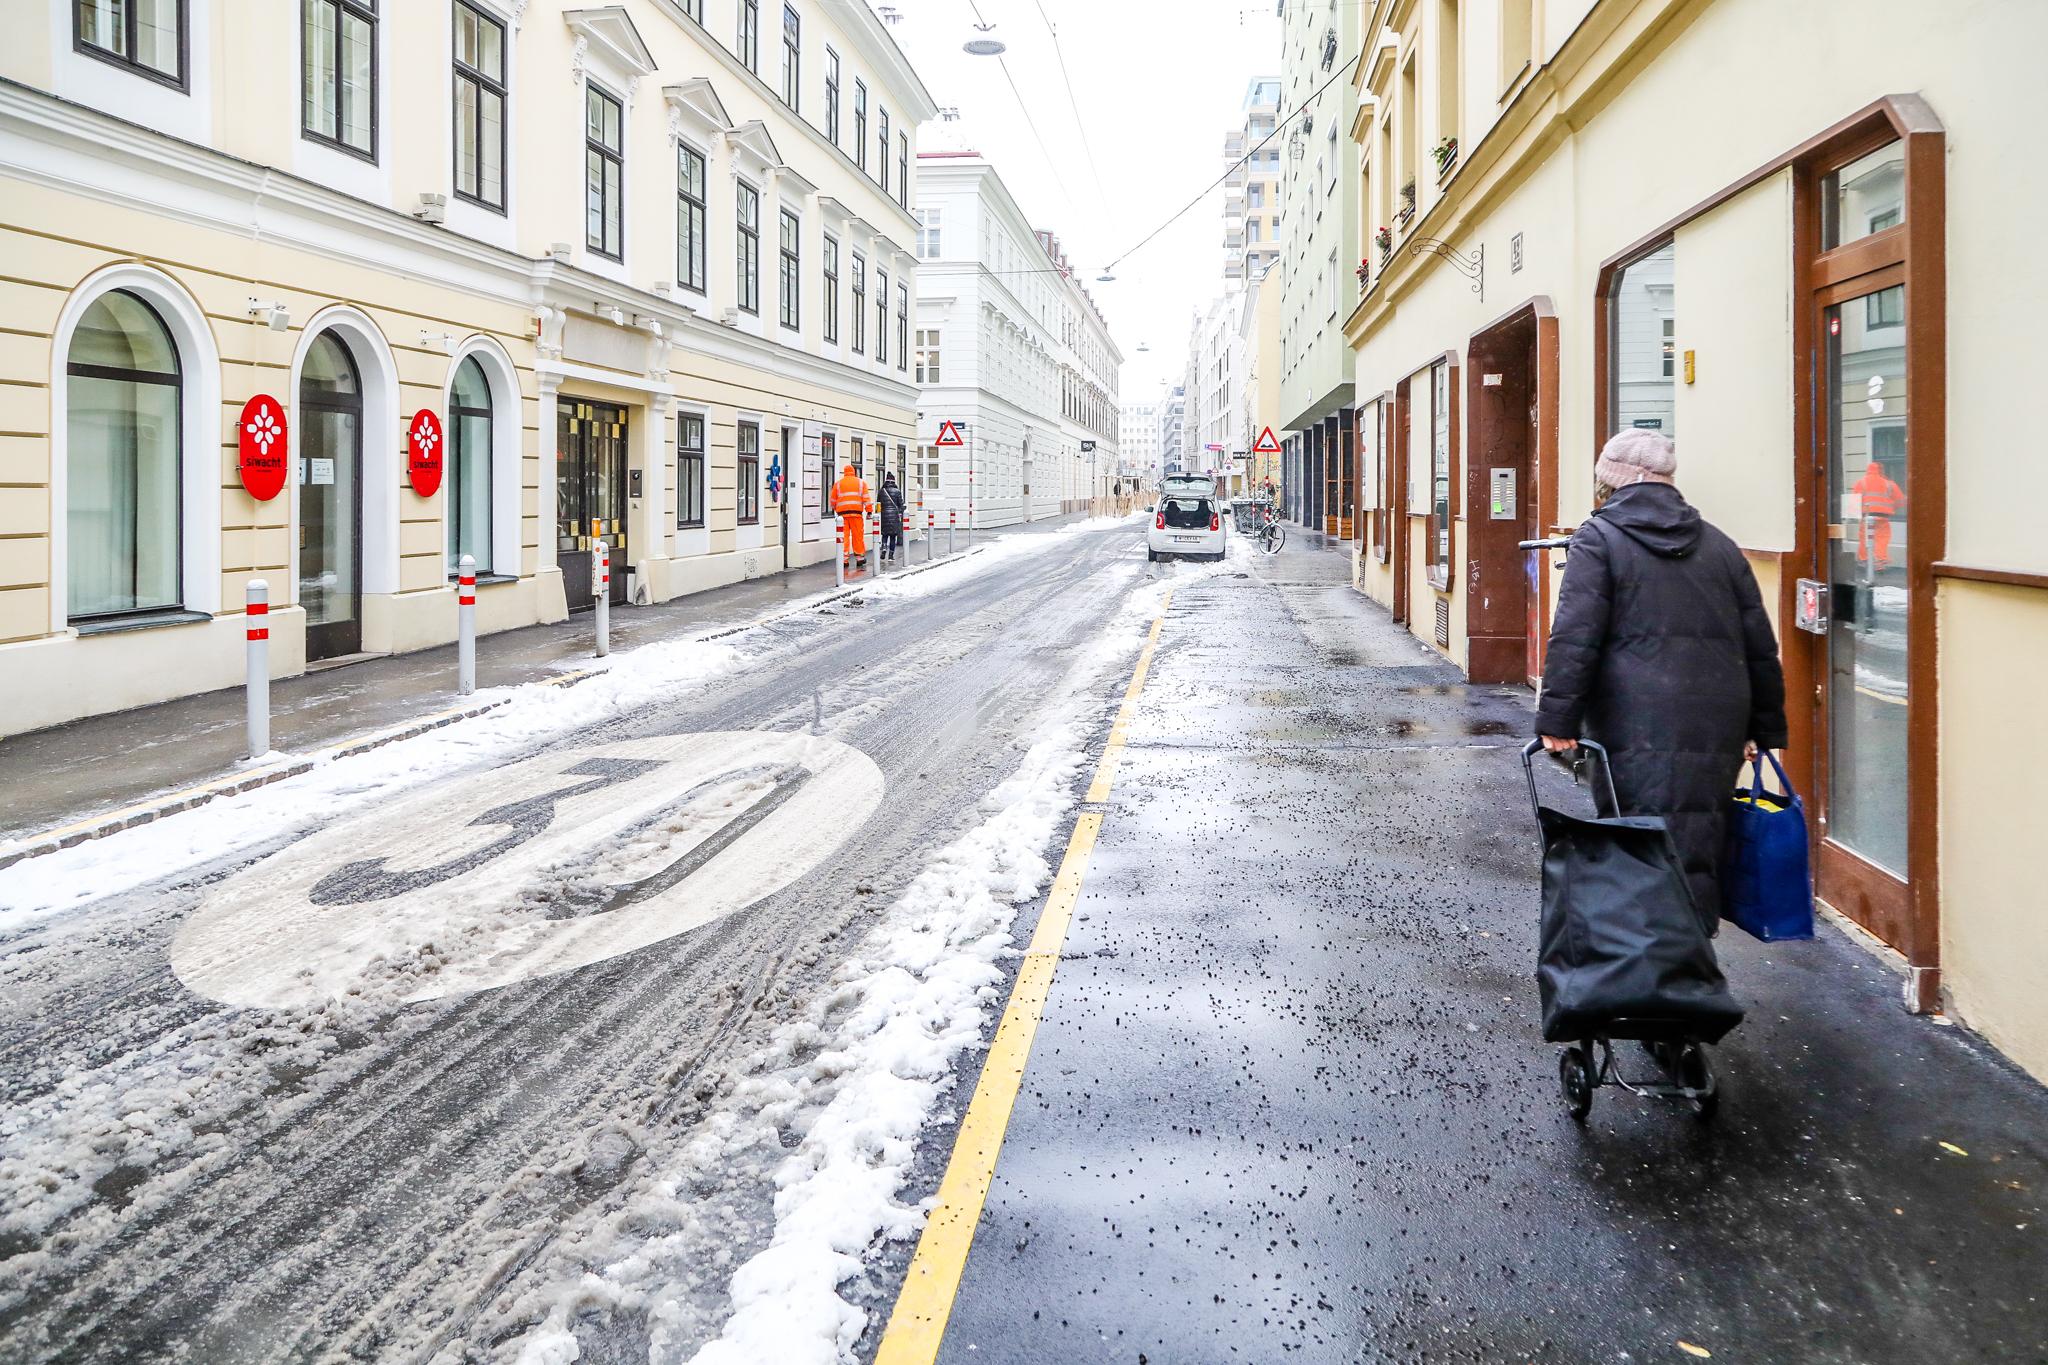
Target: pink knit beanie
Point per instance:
(1636, 455)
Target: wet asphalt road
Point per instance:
(1289, 1101)
(379, 1181)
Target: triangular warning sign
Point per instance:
(1267, 444)
(949, 435)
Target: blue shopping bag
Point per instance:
(1766, 881)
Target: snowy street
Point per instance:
(504, 1038)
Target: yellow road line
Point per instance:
(918, 1324)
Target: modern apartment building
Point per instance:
(1319, 215)
(1774, 288)
(482, 277)
(1009, 348)
(1173, 417)
(1221, 366)
(1138, 455)
(1251, 187)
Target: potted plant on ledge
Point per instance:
(1445, 154)
(1406, 214)
(1384, 240)
(1364, 273)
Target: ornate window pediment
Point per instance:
(606, 34)
(694, 105)
(751, 139)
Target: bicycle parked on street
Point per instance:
(1268, 534)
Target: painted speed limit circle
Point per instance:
(537, 868)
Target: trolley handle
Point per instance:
(1534, 746)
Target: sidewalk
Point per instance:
(1287, 1098)
(72, 773)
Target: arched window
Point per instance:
(124, 462)
(469, 467)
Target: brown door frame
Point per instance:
(1919, 247)
(1528, 329)
(1397, 512)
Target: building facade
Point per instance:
(1173, 418)
(623, 275)
(1010, 350)
(1251, 187)
(1775, 289)
(1221, 362)
(1319, 215)
(1138, 444)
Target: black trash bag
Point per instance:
(1622, 953)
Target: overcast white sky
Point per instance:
(1158, 83)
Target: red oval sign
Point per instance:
(424, 443)
(260, 437)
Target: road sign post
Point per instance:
(601, 563)
(257, 608)
(465, 625)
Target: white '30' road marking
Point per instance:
(540, 867)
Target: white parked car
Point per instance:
(1187, 520)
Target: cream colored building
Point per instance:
(640, 259)
(1785, 235)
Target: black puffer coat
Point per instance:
(1661, 650)
(892, 510)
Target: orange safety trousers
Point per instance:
(850, 503)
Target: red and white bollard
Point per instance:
(931, 535)
(952, 524)
(257, 607)
(839, 553)
(601, 579)
(465, 625)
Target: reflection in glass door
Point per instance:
(1869, 599)
(590, 496)
(330, 499)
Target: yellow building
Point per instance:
(1790, 237)
(644, 262)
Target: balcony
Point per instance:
(1235, 180)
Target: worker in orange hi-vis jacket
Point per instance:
(850, 504)
(1882, 500)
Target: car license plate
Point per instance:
(1187, 540)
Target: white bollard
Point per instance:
(465, 625)
(952, 525)
(839, 555)
(931, 535)
(601, 577)
(257, 607)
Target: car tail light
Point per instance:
(1215, 522)
(1159, 522)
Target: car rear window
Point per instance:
(1187, 512)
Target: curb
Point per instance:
(100, 826)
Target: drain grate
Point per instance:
(1443, 621)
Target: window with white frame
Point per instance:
(792, 57)
(860, 123)
(695, 9)
(749, 255)
(928, 233)
(145, 36)
(749, 492)
(860, 302)
(604, 173)
(832, 96)
(831, 314)
(748, 48)
(689, 470)
(479, 107)
(882, 149)
(881, 317)
(691, 246)
(340, 75)
(469, 467)
(927, 355)
(124, 463)
(792, 264)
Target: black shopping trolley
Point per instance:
(1623, 952)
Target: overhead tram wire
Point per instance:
(1335, 76)
(1073, 104)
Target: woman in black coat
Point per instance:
(892, 517)
(1660, 650)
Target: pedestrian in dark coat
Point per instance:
(1660, 650)
(892, 517)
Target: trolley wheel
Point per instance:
(1695, 1073)
(1575, 1079)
